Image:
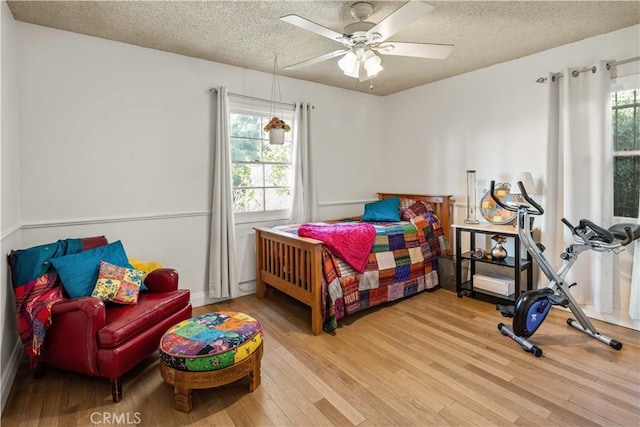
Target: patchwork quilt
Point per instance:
(402, 262)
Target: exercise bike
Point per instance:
(531, 307)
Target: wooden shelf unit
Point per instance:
(516, 262)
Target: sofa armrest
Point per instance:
(162, 280)
(92, 308)
(71, 341)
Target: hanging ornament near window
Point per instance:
(276, 127)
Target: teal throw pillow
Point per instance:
(386, 210)
(79, 272)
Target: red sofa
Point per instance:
(106, 340)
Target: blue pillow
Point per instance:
(386, 210)
(79, 272)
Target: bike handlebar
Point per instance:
(537, 208)
(630, 237)
(602, 234)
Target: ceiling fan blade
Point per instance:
(402, 17)
(416, 50)
(305, 24)
(317, 59)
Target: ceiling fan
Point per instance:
(363, 39)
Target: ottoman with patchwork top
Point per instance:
(209, 351)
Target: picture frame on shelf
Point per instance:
(492, 212)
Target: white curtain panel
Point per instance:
(582, 184)
(304, 205)
(553, 236)
(223, 278)
(634, 299)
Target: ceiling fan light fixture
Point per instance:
(348, 62)
(371, 63)
(354, 71)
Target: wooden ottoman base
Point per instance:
(184, 381)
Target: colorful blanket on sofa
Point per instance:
(402, 262)
(37, 288)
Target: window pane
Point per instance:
(277, 175)
(245, 150)
(259, 169)
(277, 198)
(248, 175)
(249, 200)
(245, 125)
(624, 133)
(626, 97)
(626, 182)
(278, 153)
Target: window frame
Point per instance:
(621, 84)
(263, 109)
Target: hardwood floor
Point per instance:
(432, 359)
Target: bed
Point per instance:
(304, 268)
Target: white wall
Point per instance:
(10, 349)
(120, 132)
(494, 120)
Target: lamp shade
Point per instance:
(348, 62)
(354, 71)
(527, 181)
(371, 63)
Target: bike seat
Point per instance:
(619, 233)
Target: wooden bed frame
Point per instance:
(293, 264)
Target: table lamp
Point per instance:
(527, 181)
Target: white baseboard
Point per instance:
(618, 318)
(198, 299)
(9, 372)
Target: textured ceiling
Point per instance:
(248, 33)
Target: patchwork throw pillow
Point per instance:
(417, 209)
(79, 272)
(386, 210)
(117, 284)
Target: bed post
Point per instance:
(445, 220)
(316, 290)
(259, 261)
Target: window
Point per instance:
(625, 121)
(261, 171)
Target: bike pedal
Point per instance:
(505, 310)
(559, 300)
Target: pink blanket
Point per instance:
(351, 242)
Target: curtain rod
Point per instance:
(576, 73)
(253, 98)
(624, 61)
